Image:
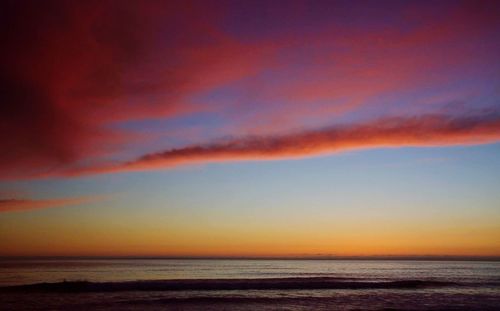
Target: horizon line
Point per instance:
(298, 257)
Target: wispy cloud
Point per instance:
(22, 204)
(426, 130)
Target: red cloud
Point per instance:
(427, 130)
(11, 205)
(343, 69)
(70, 70)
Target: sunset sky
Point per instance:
(250, 128)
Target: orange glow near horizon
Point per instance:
(310, 238)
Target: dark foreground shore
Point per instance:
(347, 300)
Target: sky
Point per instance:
(249, 128)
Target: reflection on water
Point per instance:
(34, 271)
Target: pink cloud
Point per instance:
(15, 205)
(397, 132)
(67, 82)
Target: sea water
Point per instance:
(196, 284)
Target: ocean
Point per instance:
(240, 284)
